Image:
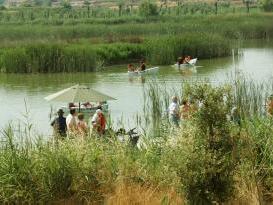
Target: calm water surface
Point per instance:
(20, 91)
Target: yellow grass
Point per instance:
(135, 194)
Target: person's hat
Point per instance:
(98, 111)
(174, 98)
(60, 111)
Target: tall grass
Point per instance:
(82, 57)
(247, 26)
(209, 160)
(165, 50)
(50, 58)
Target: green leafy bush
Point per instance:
(147, 8)
(267, 5)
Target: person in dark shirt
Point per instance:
(59, 124)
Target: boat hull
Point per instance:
(191, 64)
(148, 71)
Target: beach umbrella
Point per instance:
(78, 93)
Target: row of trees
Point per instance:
(149, 7)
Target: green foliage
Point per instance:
(210, 164)
(27, 3)
(66, 5)
(267, 5)
(166, 49)
(48, 58)
(147, 8)
(206, 161)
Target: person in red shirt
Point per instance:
(99, 122)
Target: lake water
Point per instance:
(20, 91)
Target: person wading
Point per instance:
(59, 125)
(99, 122)
(174, 111)
(71, 122)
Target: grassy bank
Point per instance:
(49, 58)
(247, 26)
(85, 47)
(209, 160)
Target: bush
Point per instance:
(210, 165)
(147, 8)
(267, 5)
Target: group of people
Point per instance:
(179, 113)
(142, 67)
(75, 125)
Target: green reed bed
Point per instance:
(247, 26)
(50, 58)
(165, 50)
(83, 47)
(46, 58)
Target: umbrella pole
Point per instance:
(79, 106)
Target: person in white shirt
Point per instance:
(71, 121)
(174, 111)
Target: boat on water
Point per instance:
(145, 72)
(190, 64)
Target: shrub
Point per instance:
(210, 166)
(267, 5)
(147, 8)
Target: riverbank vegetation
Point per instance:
(210, 159)
(74, 39)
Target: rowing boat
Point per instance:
(147, 71)
(190, 64)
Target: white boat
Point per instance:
(190, 64)
(147, 71)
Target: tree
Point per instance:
(147, 8)
(248, 3)
(87, 3)
(267, 5)
(131, 3)
(120, 7)
(216, 6)
(66, 5)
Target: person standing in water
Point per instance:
(99, 122)
(82, 126)
(71, 122)
(59, 124)
(142, 66)
(174, 111)
(131, 68)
